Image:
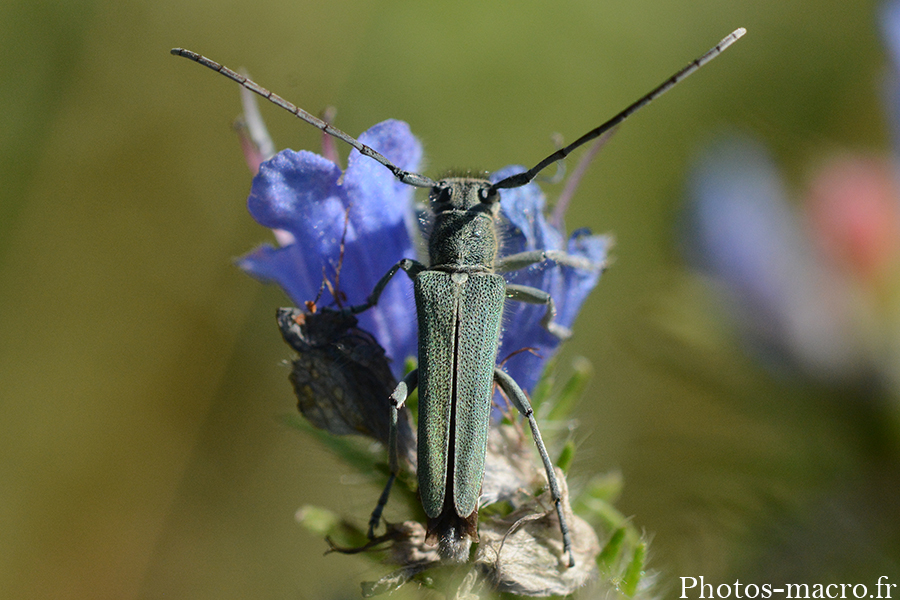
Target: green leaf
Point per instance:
(635, 570)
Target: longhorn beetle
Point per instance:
(459, 303)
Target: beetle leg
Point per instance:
(398, 399)
(514, 262)
(411, 267)
(520, 401)
(524, 293)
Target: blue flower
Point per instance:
(308, 197)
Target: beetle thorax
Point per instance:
(463, 236)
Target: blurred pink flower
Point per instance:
(854, 209)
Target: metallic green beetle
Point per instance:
(459, 303)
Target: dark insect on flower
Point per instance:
(341, 376)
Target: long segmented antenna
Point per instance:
(521, 179)
(407, 177)
(417, 180)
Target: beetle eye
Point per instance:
(486, 196)
(441, 194)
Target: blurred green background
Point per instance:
(141, 375)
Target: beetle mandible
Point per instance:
(460, 296)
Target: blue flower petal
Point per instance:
(291, 188)
(302, 193)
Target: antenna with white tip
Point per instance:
(418, 180)
(521, 179)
